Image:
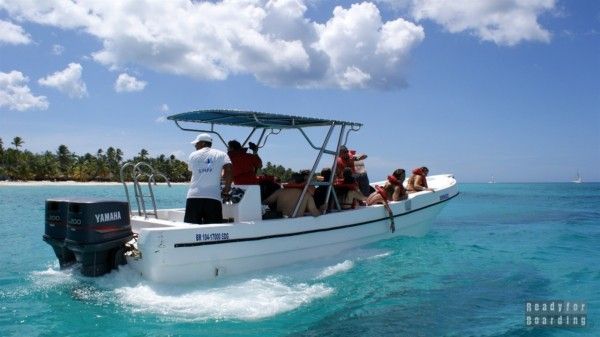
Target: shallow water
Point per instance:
(491, 249)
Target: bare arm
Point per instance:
(227, 176)
(418, 185)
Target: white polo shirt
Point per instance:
(206, 165)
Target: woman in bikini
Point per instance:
(392, 190)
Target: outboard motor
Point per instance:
(96, 233)
(56, 230)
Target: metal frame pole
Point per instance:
(314, 168)
(333, 168)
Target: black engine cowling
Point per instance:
(57, 211)
(96, 233)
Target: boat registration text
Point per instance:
(212, 236)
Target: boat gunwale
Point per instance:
(274, 236)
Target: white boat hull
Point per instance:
(175, 252)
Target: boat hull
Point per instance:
(174, 252)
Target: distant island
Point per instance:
(17, 164)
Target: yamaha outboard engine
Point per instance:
(57, 211)
(96, 233)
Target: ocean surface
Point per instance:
(492, 248)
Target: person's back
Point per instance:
(418, 181)
(208, 165)
(287, 197)
(244, 164)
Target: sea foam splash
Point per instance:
(248, 300)
(335, 269)
(237, 299)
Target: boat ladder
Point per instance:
(140, 171)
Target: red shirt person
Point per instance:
(244, 165)
(346, 159)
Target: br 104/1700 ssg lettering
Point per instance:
(212, 236)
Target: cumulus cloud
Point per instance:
(274, 41)
(498, 21)
(16, 95)
(164, 108)
(67, 81)
(13, 34)
(127, 83)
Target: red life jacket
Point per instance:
(394, 181)
(381, 192)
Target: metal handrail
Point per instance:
(136, 174)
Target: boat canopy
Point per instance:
(254, 119)
(272, 124)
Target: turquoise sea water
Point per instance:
(491, 249)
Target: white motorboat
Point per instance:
(166, 249)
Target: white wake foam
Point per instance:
(335, 269)
(247, 300)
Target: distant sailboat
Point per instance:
(578, 179)
(492, 180)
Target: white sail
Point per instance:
(578, 179)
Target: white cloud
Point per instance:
(127, 83)
(13, 34)
(164, 108)
(274, 41)
(499, 21)
(16, 95)
(57, 49)
(363, 50)
(67, 81)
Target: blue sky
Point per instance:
(474, 88)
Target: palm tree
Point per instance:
(65, 161)
(102, 170)
(1, 152)
(143, 155)
(17, 142)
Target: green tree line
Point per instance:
(278, 171)
(61, 165)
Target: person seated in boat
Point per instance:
(392, 190)
(418, 181)
(347, 190)
(287, 197)
(349, 159)
(244, 165)
(321, 191)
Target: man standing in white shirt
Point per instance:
(203, 204)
